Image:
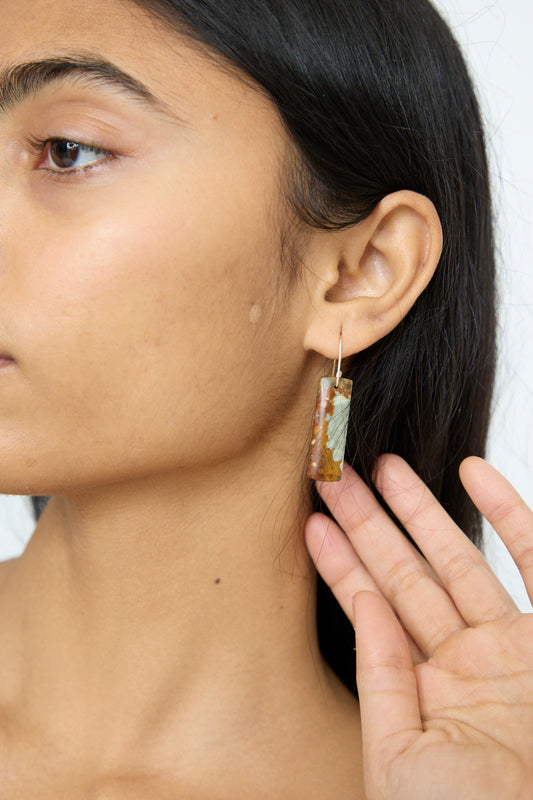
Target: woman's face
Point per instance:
(142, 294)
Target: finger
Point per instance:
(337, 562)
(466, 575)
(401, 573)
(341, 568)
(387, 688)
(502, 506)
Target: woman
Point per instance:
(198, 198)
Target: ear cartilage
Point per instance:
(330, 428)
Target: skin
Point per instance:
(161, 385)
(133, 397)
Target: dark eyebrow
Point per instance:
(20, 81)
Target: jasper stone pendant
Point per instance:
(329, 429)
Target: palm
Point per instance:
(447, 699)
(474, 680)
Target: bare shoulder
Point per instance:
(6, 568)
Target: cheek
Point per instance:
(139, 339)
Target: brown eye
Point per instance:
(65, 155)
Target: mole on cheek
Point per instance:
(255, 314)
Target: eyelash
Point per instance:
(38, 148)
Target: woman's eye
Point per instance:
(63, 155)
(72, 155)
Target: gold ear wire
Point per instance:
(338, 374)
(330, 427)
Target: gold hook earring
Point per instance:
(330, 427)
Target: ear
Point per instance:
(367, 277)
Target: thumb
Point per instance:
(386, 682)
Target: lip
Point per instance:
(5, 361)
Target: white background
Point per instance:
(496, 37)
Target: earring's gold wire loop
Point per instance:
(337, 374)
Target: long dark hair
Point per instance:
(376, 97)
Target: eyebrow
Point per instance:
(19, 82)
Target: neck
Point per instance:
(184, 596)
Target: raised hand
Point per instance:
(444, 657)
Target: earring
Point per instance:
(330, 426)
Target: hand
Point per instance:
(444, 657)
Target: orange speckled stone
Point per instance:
(329, 430)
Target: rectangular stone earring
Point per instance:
(330, 426)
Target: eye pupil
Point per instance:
(64, 154)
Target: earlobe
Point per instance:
(382, 265)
